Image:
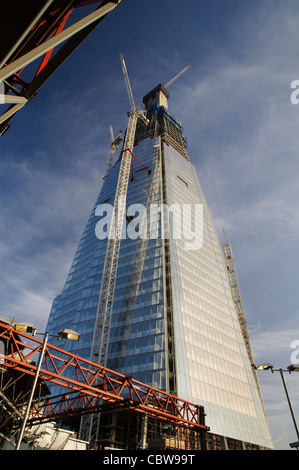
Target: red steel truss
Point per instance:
(91, 387)
(41, 30)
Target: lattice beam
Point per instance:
(91, 387)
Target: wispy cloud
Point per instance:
(275, 342)
(42, 221)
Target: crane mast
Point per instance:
(127, 81)
(99, 351)
(235, 289)
(105, 303)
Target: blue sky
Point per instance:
(242, 130)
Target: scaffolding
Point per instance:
(128, 430)
(234, 283)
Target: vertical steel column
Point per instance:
(32, 392)
(289, 402)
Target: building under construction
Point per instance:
(153, 295)
(154, 298)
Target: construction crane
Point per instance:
(105, 304)
(90, 425)
(115, 142)
(231, 270)
(235, 289)
(140, 115)
(177, 76)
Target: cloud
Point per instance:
(274, 343)
(42, 220)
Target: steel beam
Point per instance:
(11, 112)
(60, 56)
(27, 30)
(38, 51)
(39, 37)
(86, 392)
(13, 99)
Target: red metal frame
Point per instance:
(134, 156)
(48, 24)
(46, 27)
(92, 387)
(47, 56)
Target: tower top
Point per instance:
(158, 95)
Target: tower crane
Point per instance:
(90, 424)
(114, 144)
(99, 351)
(140, 115)
(105, 303)
(177, 76)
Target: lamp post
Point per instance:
(30, 328)
(291, 368)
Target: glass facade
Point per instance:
(174, 325)
(212, 365)
(137, 336)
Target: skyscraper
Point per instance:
(174, 324)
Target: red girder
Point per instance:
(134, 156)
(51, 23)
(59, 28)
(92, 387)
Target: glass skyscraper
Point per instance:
(174, 325)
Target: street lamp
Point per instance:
(26, 327)
(265, 366)
(30, 328)
(291, 368)
(68, 334)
